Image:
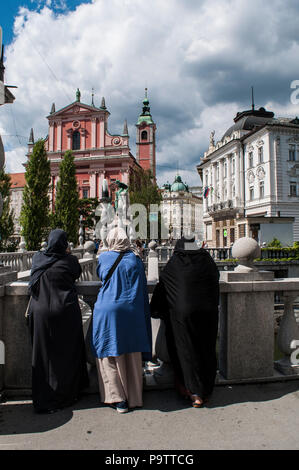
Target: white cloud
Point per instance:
(198, 60)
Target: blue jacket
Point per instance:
(121, 317)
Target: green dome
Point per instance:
(178, 185)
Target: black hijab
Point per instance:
(42, 260)
(186, 246)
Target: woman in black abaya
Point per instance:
(59, 371)
(186, 298)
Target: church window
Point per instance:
(261, 154)
(85, 193)
(293, 188)
(144, 135)
(250, 159)
(76, 140)
(292, 153)
(233, 166)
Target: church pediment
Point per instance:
(76, 108)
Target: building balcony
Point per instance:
(222, 208)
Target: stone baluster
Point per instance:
(288, 336)
(81, 232)
(153, 262)
(89, 253)
(23, 260)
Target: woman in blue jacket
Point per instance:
(121, 336)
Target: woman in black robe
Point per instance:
(186, 298)
(59, 371)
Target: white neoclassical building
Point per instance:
(182, 209)
(250, 180)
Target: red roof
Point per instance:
(17, 180)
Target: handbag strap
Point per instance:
(113, 267)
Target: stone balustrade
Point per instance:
(246, 333)
(246, 327)
(19, 261)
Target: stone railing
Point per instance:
(21, 261)
(165, 252)
(246, 326)
(246, 333)
(18, 261)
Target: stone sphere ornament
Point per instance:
(246, 249)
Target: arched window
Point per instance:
(144, 135)
(76, 140)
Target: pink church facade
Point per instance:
(98, 154)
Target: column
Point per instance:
(92, 184)
(102, 131)
(241, 179)
(206, 184)
(229, 177)
(83, 135)
(51, 136)
(214, 185)
(59, 135)
(69, 133)
(237, 178)
(221, 175)
(101, 177)
(93, 132)
(125, 176)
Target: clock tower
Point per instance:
(146, 139)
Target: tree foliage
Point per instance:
(66, 215)
(87, 207)
(275, 243)
(144, 190)
(7, 216)
(34, 217)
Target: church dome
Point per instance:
(178, 185)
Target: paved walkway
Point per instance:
(255, 416)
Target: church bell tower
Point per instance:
(146, 139)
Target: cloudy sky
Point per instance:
(198, 59)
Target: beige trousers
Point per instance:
(120, 378)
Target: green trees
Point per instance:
(6, 219)
(66, 215)
(144, 190)
(87, 207)
(34, 217)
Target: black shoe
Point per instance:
(121, 407)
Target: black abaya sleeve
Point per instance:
(75, 266)
(158, 304)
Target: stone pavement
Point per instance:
(253, 416)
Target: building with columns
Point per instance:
(98, 154)
(250, 180)
(181, 210)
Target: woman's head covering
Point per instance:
(185, 244)
(42, 260)
(57, 243)
(117, 240)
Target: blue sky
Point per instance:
(9, 10)
(198, 59)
